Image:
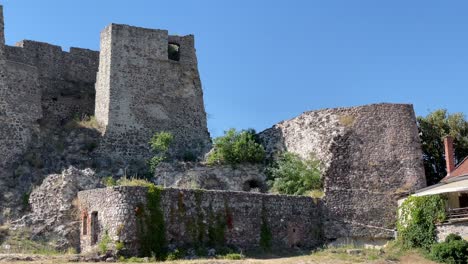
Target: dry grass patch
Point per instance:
(89, 122)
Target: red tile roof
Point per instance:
(460, 170)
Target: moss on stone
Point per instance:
(151, 225)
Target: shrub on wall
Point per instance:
(236, 147)
(292, 175)
(159, 143)
(417, 218)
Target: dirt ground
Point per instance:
(320, 258)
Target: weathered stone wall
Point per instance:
(19, 111)
(189, 214)
(139, 91)
(194, 175)
(443, 230)
(371, 156)
(40, 87)
(54, 214)
(66, 79)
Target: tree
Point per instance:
(432, 130)
(292, 175)
(236, 147)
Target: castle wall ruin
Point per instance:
(189, 215)
(65, 79)
(41, 89)
(19, 107)
(141, 91)
(371, 156)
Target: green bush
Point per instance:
(236, 147)
(175, 255)
(160, 144)
(453, 237)
(417, 218)
(292, 175)
(453, 251)
(119, 245)
(233, 256)
(109, 181)
(105, 240)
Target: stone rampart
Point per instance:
(371, 156)
(191, 215)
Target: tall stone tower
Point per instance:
(147, 82)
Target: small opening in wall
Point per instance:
(252, 186)
(173, 51)
(85, 225)
(55, 99)
(94, 228)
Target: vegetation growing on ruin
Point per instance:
(151, 225)
(347, 120)
(216, 228)
(236, 147)
(265, 232)
(417, 218)
(200, 227)
(159, 144)
(84, 121)
(295, 176)
(433, 128)
(104, 243)
(109, 181)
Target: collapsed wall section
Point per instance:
(371, 156)
(66, 79)
(140, 91)
(189, 215)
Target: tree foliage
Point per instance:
(236, 147)
(417, 218)
(454, 250)
(433, 128)
(292, 175)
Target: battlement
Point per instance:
(145, 44)
(77, 65)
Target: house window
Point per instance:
(173, 51)
(94, 228)
(85, 225)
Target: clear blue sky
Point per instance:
(265, 61)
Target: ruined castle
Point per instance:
(143, 81)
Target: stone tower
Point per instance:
(147, 82)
